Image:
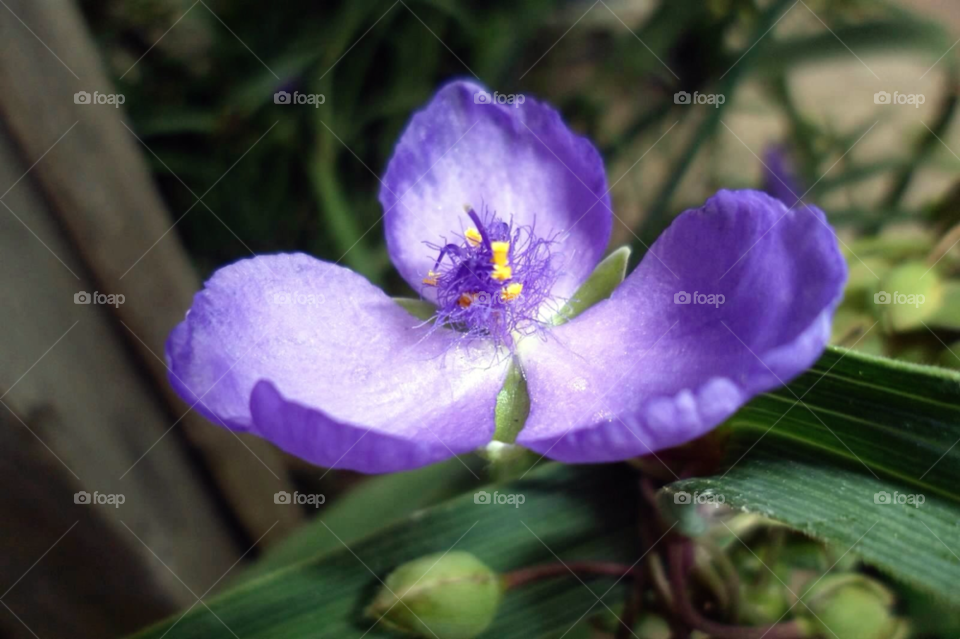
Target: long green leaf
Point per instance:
(579, 513)
(864, 426)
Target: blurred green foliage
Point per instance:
(200, 79)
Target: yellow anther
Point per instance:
(501, 273)
(500, 251)
(473, 237)
(466, 299)
(431, 278)
(511, 292)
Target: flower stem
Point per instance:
(524, 576)
(680, 559)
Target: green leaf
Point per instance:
(950, 358)
(599, 286)
(890, 246)
(903, 33)
(373, 504)
(865, 426)
(343, 225)
(579, 512)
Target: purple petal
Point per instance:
(515, 160)
(317, 360)
(639, 372)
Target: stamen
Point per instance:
(500, 250)
(494, 282)
(511, 292)
(501, 273)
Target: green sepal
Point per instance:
(513, 405)
(598, 287)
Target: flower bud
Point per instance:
(851, 606)
(447, 596)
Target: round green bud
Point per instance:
(449, 596)
(851, 606)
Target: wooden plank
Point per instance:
(100, 190)
(65, 570)
(67, 373)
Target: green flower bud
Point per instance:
(450, 596)
(851, 606)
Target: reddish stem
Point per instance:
(524, 576)
(681, 558)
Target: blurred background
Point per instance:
(142, 147)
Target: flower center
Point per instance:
(494, 281)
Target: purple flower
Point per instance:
(780, 178)
(497, 213)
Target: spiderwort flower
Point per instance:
(780, 178)
(735, 298)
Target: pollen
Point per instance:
(500, 251)
(492, 280)
(501, 273)
(511, 292)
